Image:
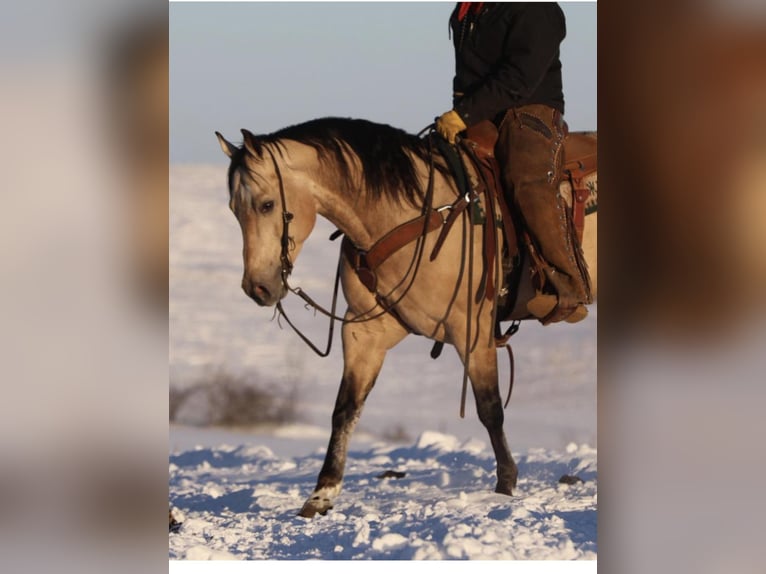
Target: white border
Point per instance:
(385, 566)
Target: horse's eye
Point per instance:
(267, 207)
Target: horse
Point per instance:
(368, 179)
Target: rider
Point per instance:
(507, 70)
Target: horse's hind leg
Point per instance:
(364, 348)
(483, 373)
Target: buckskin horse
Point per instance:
(374, 183)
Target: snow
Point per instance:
(239, 491)
(242, 502)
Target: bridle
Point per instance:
(286, 264)
(286, 268)
(286, 242)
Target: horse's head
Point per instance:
(256, 193)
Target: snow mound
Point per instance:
(437, 441)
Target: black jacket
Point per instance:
(507, 55)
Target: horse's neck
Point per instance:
(362, 222)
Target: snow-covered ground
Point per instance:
(240, 501)
(239, 492)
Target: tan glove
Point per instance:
(449, 124)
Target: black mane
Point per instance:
(383, 152)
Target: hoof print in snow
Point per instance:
(392, 474)
(570, 479)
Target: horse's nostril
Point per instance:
(258, 293)
(261, 292)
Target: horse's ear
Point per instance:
(227, 147)
(252, 144)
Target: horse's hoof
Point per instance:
(504, 489)
(307, 511)
(314, 506)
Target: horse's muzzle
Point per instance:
(263, 295)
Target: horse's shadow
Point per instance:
(238, 501)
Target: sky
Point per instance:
(267, 65)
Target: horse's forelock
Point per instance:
(237, 161)
(243, 160)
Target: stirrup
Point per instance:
(577, 315)
(568, 314)
(545, 308)
(542, 305)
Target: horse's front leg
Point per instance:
(364, 348)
